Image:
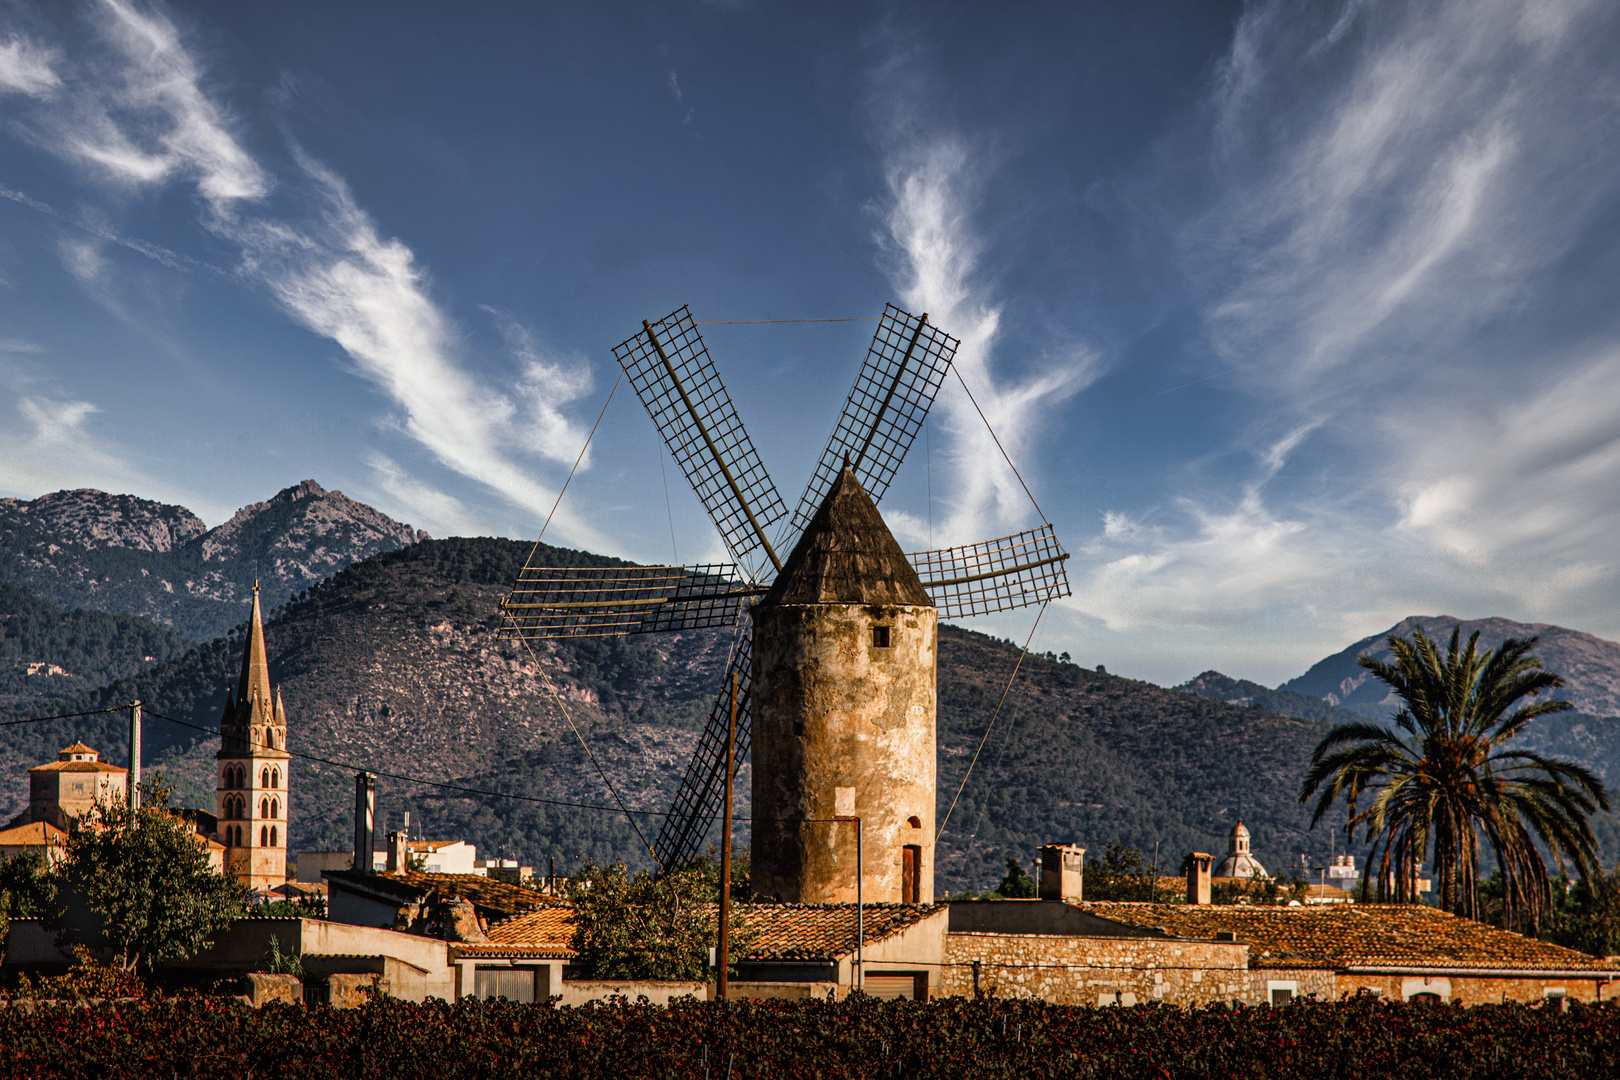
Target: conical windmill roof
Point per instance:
(848, 556)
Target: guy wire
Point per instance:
(993, 717)
(997, 438)
(558, 501)
(767, 322)
(541, 668)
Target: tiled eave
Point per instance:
(1481, 972)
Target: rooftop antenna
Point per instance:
(670, 367)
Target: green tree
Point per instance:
(1018, 885)
(1444, 776)
(648, 926)
(1124, 873)
(143, 878)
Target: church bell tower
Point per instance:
(252, 760)
(845, 648)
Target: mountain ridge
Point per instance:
(1589, 664)
(126, 555)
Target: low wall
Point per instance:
(1070, 970)
(781, 991)
(1474, 989)
(579, 991)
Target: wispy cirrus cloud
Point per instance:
(138, 113)
(1388, 258)
(935, 252)
(27, 68)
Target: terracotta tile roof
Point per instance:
(785, 931)
(35, 833)
(493, 898)
(823, 931)
(77, 748)
(542, 934)
(1342, 936)
(497, 898)
(78, 766)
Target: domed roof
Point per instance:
(1239, 863)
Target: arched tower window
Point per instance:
(264, 836)
(914, 822)
(264, 807)
(273, 836)
(275, 808)
(264, 777)
(275, 777)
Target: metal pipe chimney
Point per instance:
(365, 819)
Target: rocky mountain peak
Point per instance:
(95, 519)
(174, 568)
(1589, 664)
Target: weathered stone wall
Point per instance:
(1319, 983)
(1472, 990)
(1097, 971)
(842, 728)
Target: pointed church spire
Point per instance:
(255, 684)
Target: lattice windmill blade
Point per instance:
(703, 787)
(606, 601)
(996, 575)
(670, 368)
(908, 359)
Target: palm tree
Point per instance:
(1444, 775)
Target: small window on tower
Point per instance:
(880, 637)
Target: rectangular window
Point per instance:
(880, 637)
(910, 878)
(513, 984)
(1281, 992)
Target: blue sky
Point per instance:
(1298, 317)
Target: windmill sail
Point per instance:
(703, 787)
(672, 372)
(908, 359)
(996, 575)
(605, 601)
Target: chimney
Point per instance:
(365, 818)
(399, 859)
(1062, 872)
(1196, 867)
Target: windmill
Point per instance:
(673, 374)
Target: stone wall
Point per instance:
(1072, 970)
(1319, 983)
(1472, 990)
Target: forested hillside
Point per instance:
(46, 652)
(392, 664)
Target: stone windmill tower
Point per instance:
(835, 649)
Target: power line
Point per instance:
(350, 766)
(64, 716)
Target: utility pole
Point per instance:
(135, 755)
(722, 987)
(860, 907)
